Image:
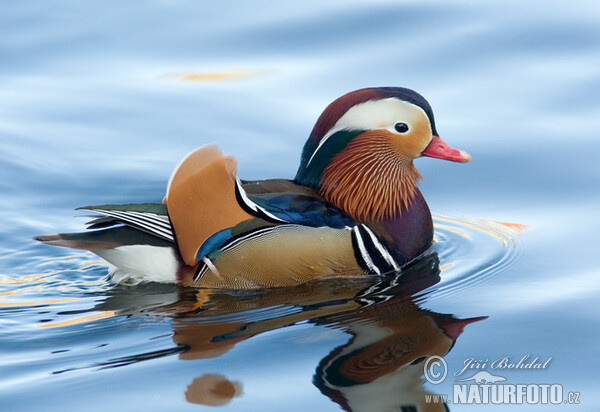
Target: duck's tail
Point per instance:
(201, 201)
(103, 239)
(135, 255)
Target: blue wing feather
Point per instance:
(303, 209)
(213, 242)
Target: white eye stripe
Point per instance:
(373, 115)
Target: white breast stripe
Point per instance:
(364, 253)
(253, 206)
(382, 249)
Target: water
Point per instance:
(98, 102)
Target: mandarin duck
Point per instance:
(353, 208)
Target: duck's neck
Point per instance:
(376, 186)
(370, 181)
(410, 234)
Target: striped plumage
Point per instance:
(352, 209)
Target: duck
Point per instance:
(352, 210)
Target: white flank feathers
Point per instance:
(141, 263)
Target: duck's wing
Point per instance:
(105, 239)
(271, 203)
(285, 201)
(205, 201)
(146, 223)
(151, 218)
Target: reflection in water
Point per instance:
(213, 77)
(212, 390)
(388, 332)
(379, 367)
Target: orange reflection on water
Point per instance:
(82, 319)
(517, 226)
(438, 226)
(37, 303)
(48, 282)
(504, 231)
(215, 77)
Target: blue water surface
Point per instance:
(99, 101)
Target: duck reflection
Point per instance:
(380, 367)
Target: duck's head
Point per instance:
(359, 155)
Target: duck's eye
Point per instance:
(401, 127)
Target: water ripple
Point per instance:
(472, 251)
